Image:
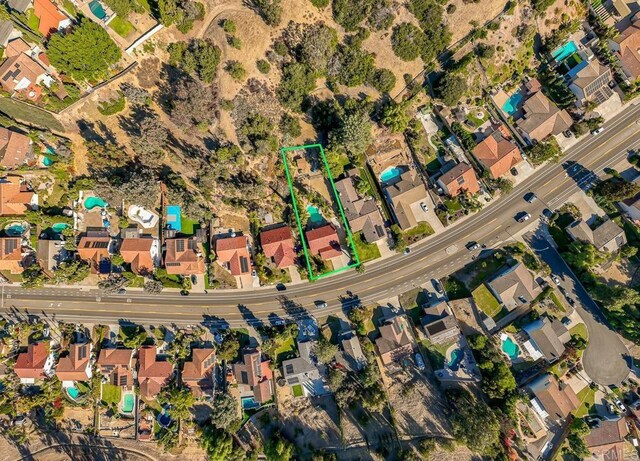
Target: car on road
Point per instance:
(514, 171)
(471, 246)
(406, 251)
(281, 287)
(437, 285)
(122, 291)
(419, 362)
(597, 131)
(530, 197)
(184, 293)
(618, 404)
(555, 279)
(547, 213)
(320, 304)
(571, 301)
(523, 216)
(424, 207)
(611, 408)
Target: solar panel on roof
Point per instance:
(244, 264)
(100, 244)
(82, 352)
(180, 245)
(10, 246)
(171, 264)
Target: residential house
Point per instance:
(20, 6)
(51, 19)
(116, 366)
(607, 441)
(15, 149)
(302, 373)
(153, 374)
(50, 254)
(439, 323)
(76, 365)
(34, 364)
(324, 242)
(608, 236)
(396, 340)
(459, 179)
(590, 82)
(547, 337)
(497, 153)
(514, 286)
(8, 32)
(351, 356)
(93, 248)
(22, 73)
(631, 208)
(626, 47)
(542, 118)
(254, 377)
(15, 196)
(232, 253)
(277, 246)
(11, 255)
(361, 212)
(552, 399)
(138, 252)
(198, 373)
(406, 197)
(184, 256)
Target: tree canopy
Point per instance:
(87, 53)
(450, 88)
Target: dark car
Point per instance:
(547, 213)
(471, 246)
(184, 293)
(571, 301)
(320, 304)
(437, 285)
(523, 216)
(530, 197)
(281, 287)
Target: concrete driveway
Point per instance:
(604, 359)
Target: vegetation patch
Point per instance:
(23, 112)
(122, 27)
(485, 300)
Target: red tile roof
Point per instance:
(14, 148)
(73, 367)
(460, 178)
(184, 257)
(30, 364)
(14, 197)
(233, 252)
(278, 244)
(137, 252)
(197, 373)
(49, 15)
(153, 375)
(324, 241)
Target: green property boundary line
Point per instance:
(294, 200)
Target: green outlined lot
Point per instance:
(355, 259)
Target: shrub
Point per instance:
(269, 10)
(407, 41)
(114, 106)
(196, 57)
(235, 69)
(297, 81)
(451, 8)
(382, 80)
(320, 3)
(450, 88)
(235, 42)
(263, 66)
(228, 25)
(355, 66)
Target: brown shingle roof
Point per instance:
(137, 252)
(73, 367)
(629, 42)
(14, 148)
(557, 401)
(543, 118)
(460, 178)
(17, 68)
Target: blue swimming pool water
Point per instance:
(314, 214)
(174, 218)
(47, 161)
(128, 403)
(456, 357)
(14, 230)
(512, 105)
(164, 419)
(510, 348)
(390, 174)
(59, 226)
(565, 51)
(249, 403)
(96, 8)
(91, 202)
(73, 392)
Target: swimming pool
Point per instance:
(512, 105)
(164, 419)
(456, 357)
(59, 226)
(390, 174)
(128, 403)
(174, 218)
(564, 51)
(47, 161)
(14, 230)
(314, 214)
(510, 348)
(73, 392)
(249, 403)
(96, 8)
(91, 202)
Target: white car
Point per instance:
(619, 404)
(424, 207)
(524, 217)
(597, 131)
(419, 362)
(555, 279)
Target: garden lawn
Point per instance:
(587, 398)
(452, 205)
(436, 353)
(25, 113)
(556, 300)
(486, 301)
(111, 394)
(168, 280)
(286, 351)
(33, 22)
(122, 27)
(580, 330)
(455, 288)
(188, 226)
(411, 302)
(366, 251)
(297, 390)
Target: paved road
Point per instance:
(437, 256)
(604, 359)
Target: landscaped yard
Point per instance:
(188, 226)
(297, 390)
(436, 353)
(411, 302)
(122, 27)
(422, 230)
(452, 205)
(286, 351)
(455, 288)
(473, 116)
(486, 301)
(32, 21)
(111, 394)
(579, 330)
(168, 280)
(587, 397)
(23, 112)
(557, 301)
(366, 251)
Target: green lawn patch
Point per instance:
(121, 26)
(15, 278)
(286, 351)
(168, 280)
(188, 225)
(436, 353)
(477, 121)
(557, 301)
(587, 397)
(366, 251)
(422, 230)
(411, 302)
(70, 7)
(23, 112)
(455, 288)
(433, 166)
(32, 21)
(486, 301)
(297, 390)
(452, 205)
(111, 394)
(484, 269)
(579, 330)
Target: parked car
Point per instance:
(437, 285)
(555, 279)
(419, 362)
(281, 287)
(320, 304)
(407, 251)
(547, 213)
(597, 131)
(523, 216)
(611, 408)
(571, 301)
(471, 246)
(424, 207)
(618, 404)
(122, 291)
(514, 171)
(530, 197)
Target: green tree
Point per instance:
(296, 83)
(356, 66)
(87, 53)
(407, 41)
(395, 116)
(197, 57)
(543, 151)
(617, 189)
(236, 70)
(277, 448)
(290, 126)
(583, 256)
(225, 411)
(263, 66)
(181, 401)
(382, 80)
(437, 35)
(318, 44)
(219, 445)
(354, 134)
(450, 88)
(269, 10)
(71, 272)
(230, 347)
(350, 13)
(325, 350)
